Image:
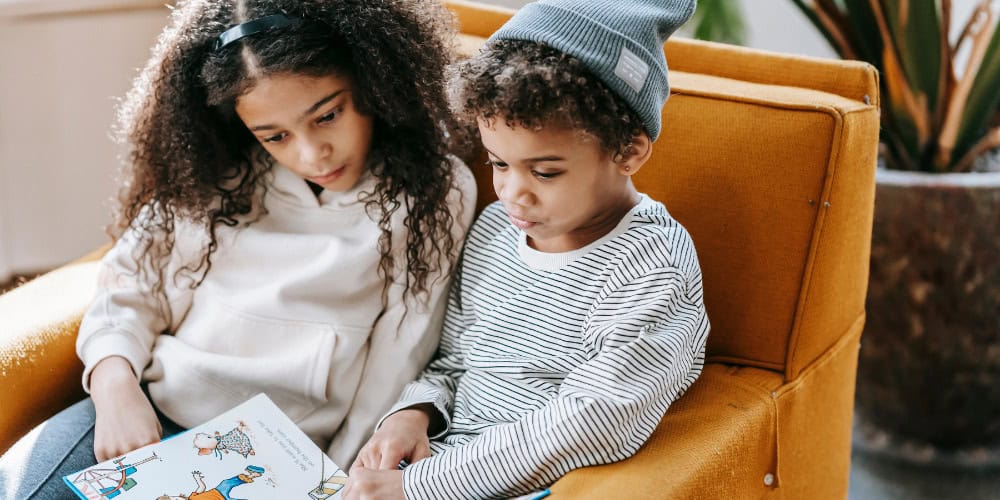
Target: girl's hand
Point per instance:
(402, 436)
(365, 484)
(125, 417)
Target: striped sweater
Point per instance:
(551, 362)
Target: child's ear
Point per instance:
(636, 154)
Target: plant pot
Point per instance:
(929, 367)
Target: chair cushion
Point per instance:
(40, 371)
(719, 438)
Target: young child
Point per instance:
(576, 315)
(288, 226)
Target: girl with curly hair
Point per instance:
(288, 222)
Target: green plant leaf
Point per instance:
(907, 109)
(918, 33)
(928, 121)
(863, 30)
(983, 103)
(719, 21)
(899, 130)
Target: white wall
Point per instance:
(62, 65)
(779, 26)
(60, 73)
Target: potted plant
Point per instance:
(929, 368)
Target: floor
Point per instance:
(879, 476)
(873, 478)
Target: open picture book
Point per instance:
(253, 451)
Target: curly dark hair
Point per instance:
(533, 85)
(191, 157)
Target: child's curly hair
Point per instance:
(532, 85)
(191, 157)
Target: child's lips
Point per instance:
(521, 223)
(330, 177)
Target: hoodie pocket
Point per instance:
(221, 356)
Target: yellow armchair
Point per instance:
(769, 162)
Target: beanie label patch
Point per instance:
(632, 70)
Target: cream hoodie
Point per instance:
(291, 307)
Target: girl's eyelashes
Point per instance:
(329, 117)
(495, 164)
(276, 138)
(545, 175)
(326, 118)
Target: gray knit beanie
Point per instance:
(619, 41)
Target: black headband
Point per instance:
(249, 28)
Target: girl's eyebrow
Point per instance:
(321, 102)
(530, 160)
(312, 109)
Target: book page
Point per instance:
(253, 451)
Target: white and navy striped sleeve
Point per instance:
(646, 334)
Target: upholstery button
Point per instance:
(768, 479)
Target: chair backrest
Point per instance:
(768, 160)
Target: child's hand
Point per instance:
(365, 484)
(402, 436)
(125, 417)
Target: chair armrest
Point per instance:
(39, 370)
(717, 441)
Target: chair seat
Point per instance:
(40, 372)
(718, 438)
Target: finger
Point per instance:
(105, 451)
(366, 458)
(140, 442)
(389, 460)
(134, 444)
(355, 470)
(422, 451)
(360, 458)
